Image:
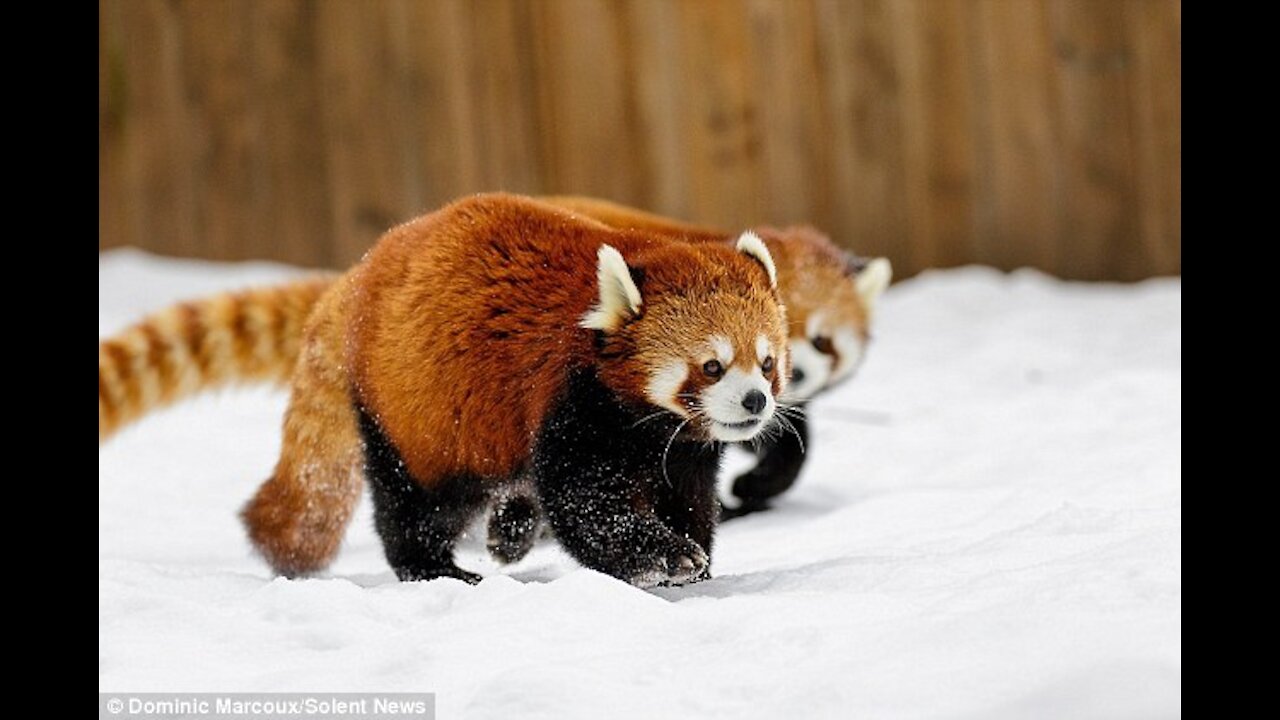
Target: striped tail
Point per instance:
(253, 335)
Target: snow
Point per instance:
(990, 525)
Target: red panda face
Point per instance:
(829, 331)
(830, 297)
(721, 368)
(707, 340)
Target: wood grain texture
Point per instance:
(937, 132)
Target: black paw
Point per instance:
(744, 507)
(756, 486)
(415, 574)
(514, 527)
(686, 562)
(509, 552)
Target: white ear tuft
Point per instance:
(751, 244)
(619, 297)
(872, 280)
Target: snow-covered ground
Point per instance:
(990, 526)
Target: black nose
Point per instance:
(797, 375)
(754, 402)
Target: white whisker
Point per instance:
(667, 451)
(792, 410)
(649, 417)
(783, 421)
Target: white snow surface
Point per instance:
(989, 526)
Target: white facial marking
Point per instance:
(664, 385)
(849, 345)
(809, 371)
(723, 349)
(849, 349)
(813, 327)
(762, 348)
(722, 402)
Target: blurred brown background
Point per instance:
(937, 132)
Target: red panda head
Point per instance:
(830, 296)
(697, 330)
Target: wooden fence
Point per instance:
(937, 132)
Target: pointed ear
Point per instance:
(750, 243)
(872, 280)
(619, 298)
(854, 264)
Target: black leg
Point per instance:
(594, 520)
(606, 482)
(418, 525)
(691, 508)
(514, 525)
(781, 459)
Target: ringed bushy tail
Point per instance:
(247, 336)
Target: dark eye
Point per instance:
(823, 345)
(713, 368)
(767, 365)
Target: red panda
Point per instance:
(499, 339)
(829, 295)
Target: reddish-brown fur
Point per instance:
(623, 216)
(813, 273)
(298, 517)
(458, 330)
(515, 278)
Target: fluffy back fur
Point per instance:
(468, 321)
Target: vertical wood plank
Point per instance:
(580, 65)
(146, 166)
(438, 97)
(505, 94)
(291, 194)
(222, 130)
(784, 91)
(1020, 142)
(363, 127)
(863, 82)
(722, 121)
(1097, 218)
(936, 54)
(658, 85)
(111, 229)
(1155, 35)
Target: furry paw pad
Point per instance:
(685, 564)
